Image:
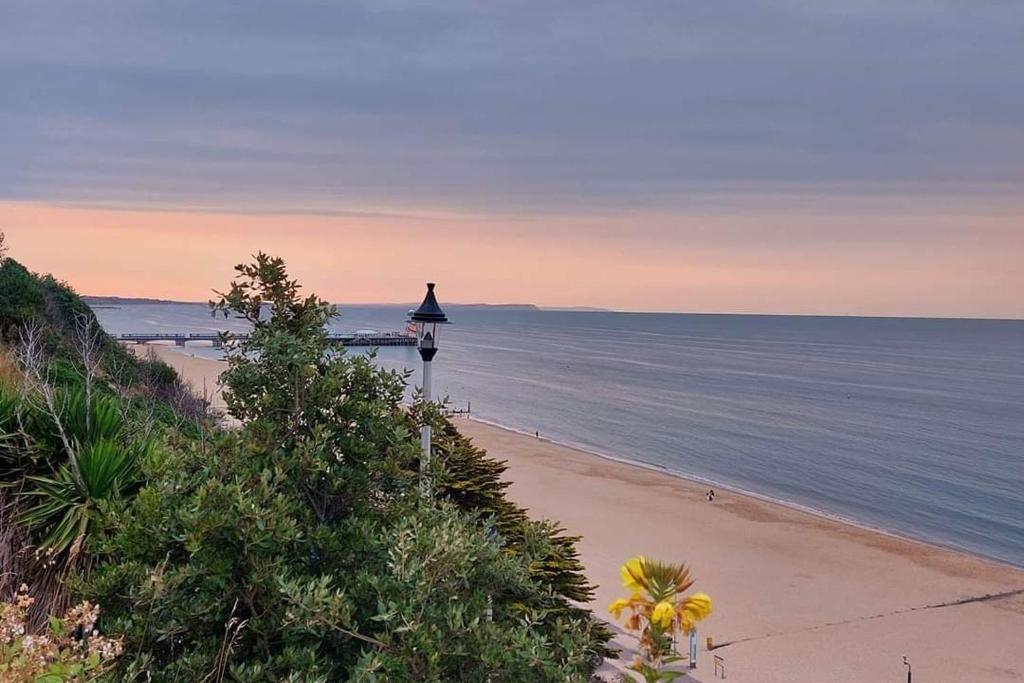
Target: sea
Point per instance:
(906, 425)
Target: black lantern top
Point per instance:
(429, 311)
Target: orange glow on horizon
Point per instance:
(712, 263)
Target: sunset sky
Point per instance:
(832, 157)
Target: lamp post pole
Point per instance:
(427, 395)
(428, 319)
(425, 430)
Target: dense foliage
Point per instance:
(66, 326)
(298, 547)
(295, 547)
(471, 480)
(78, 414)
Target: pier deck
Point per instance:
(340, 339)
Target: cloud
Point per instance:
(508, 106)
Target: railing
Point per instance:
(346, 339)
(153, 336)
(719, 666)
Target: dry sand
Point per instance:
(201, 374)
(798, 598)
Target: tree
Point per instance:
(473, 481)
(297, 548)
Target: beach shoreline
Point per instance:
(800, 597)
(769, 500)
(852, 588)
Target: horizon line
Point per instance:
(589, 309)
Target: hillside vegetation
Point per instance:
(297, 547)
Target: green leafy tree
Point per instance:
(473, 481)
(447, 592)
(297, 548)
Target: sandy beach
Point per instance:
(202, 374)
(799, 598)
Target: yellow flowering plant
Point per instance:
(658, 610)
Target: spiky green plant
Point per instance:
(70, 500)
(92, 419)
(75, 419)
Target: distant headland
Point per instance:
(143, 301)
(130, 301)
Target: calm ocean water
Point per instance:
(914, 426)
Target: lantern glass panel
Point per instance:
(428, 333)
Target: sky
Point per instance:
(827, 157)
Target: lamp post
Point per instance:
(428, 318)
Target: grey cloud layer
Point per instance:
(507, 105)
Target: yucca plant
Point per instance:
(69, 501)
(90, 419)
(76, 420)
(37, 437)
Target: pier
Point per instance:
(217, 339)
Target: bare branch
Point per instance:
(36, 382)
(89, 344)
(30, 357)
(232, 634)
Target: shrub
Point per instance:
(70, 651)
(473, 481)
(21, 298)
(299, 549)
(77, 415)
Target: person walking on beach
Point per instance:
(711, 495)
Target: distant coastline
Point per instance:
(132, 301)
(114, 301)
(106, 301)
